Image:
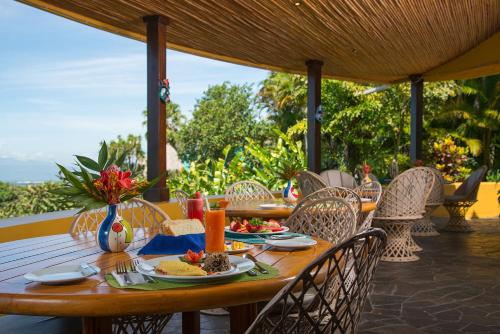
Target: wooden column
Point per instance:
(416, 115)
(313, 125)
(156, 27)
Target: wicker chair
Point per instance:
(182, 198)
(462, 199)
(336, 178)
(347, 194)
(309, 182)
(330, 218)
(337, 304)
(373, 191)
(247, 191)
(141, 215)
(424, 227)
(401, 205)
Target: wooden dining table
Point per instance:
(96, 302)
(252, 209)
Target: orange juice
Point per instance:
(214, 231)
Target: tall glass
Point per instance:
(215, 220)
(195, 208)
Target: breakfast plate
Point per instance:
(284, 229)
(290, 244)
(62, 274)
(239, 265)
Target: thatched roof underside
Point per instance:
(360, 40)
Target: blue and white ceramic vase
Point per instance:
(290, 196)
(114, 233)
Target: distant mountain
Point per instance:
(27, 171)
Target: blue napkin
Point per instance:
(166, 244)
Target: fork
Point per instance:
(121, 269)
(133, 268)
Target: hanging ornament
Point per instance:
(165, 91)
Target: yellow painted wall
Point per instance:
(487, 201)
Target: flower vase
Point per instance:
(114, 234)
(289, 194)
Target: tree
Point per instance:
(223, 116)
(175, 119)
(134, 157)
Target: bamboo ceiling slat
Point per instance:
(361, 40)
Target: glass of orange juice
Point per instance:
(215, 221)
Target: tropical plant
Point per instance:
(451, 159)
(110, 186)
(175, 120)
(131, 148)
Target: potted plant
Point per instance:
(95, 184)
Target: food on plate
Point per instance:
(179, 268)
(255, 225)
(193, 257)
(217, 262)
(235, 246)
(183, 226)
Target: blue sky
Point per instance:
(64, 86)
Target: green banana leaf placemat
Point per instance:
(255, 239)
(162, 285)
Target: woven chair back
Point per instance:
(349, 195)
(140, 214)
(436, 197)
(336, 178)
(373, 191)
(470, 186)
(309, 182)
(330, 218)
(338, 291)
(182, 198)
(406, 195)
(247, 191)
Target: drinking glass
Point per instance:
(215, 220)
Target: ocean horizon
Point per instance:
(27, 171)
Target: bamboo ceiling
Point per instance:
(361, 40)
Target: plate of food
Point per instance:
(62, 274)
(236, 247)
(293, 243)
(256, 226)
(195, 267)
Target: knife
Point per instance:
(254, 260)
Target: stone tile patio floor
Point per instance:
(454, 288)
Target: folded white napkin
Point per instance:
(136, 278)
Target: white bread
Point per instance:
(183, 226)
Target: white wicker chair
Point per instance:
(373, 191)
(330, 218)
(347, 194)
(247, 191)
(142, 215)
(403, 203)
(336, 178)
(182, 198)
(309, 182)
(462, 199)
(424, 227)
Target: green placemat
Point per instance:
(162, 285)
(255, 239)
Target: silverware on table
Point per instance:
(87, 270)
(282, 237)
(133, 266)
(254, 260)
(121, 269)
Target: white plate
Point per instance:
(59, 274)
(243, 250)
(228, 229)
(240, 265)
(295, 243)
(364, 199)
(273, 206)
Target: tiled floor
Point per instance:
(454, 288)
